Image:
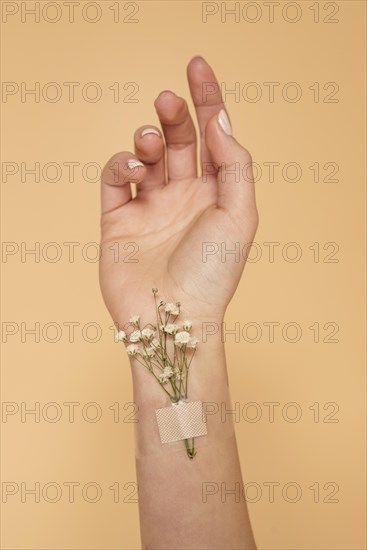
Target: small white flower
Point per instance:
(170, 328)
(147, 333)
(155, 343)
(187, 325)
(172, 309)
(167, 372)
(192, 343)
(120, 336)
(135, 336)
(165, 375)
(132, 349)
(135, 319)
(182, 338)
(148, 352)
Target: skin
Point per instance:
(176, 211)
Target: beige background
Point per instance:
(153, 53)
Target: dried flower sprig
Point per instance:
(165, 349)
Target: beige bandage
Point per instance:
(182, 420)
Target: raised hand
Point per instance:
(179, 221)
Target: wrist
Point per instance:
(207, 379)
(207, 366)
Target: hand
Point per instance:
(176, 213)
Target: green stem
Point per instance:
(190, 452)
(187, 378)
(152, 372)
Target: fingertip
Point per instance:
(163, 97)
(196, 61)
(133, 170)
(220, 141)
(122, 168)
(218, 127)
(148, 132)
(133, 163)
(171, 109)
(149, 144)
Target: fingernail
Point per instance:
(134, 163)
(224, 122)
(150, 131)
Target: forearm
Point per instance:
(175, 511)
(171, 217)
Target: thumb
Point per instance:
(232, 164)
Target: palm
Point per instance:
(178, 234)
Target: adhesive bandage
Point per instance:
(182, 420)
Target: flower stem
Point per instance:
(190, 452)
